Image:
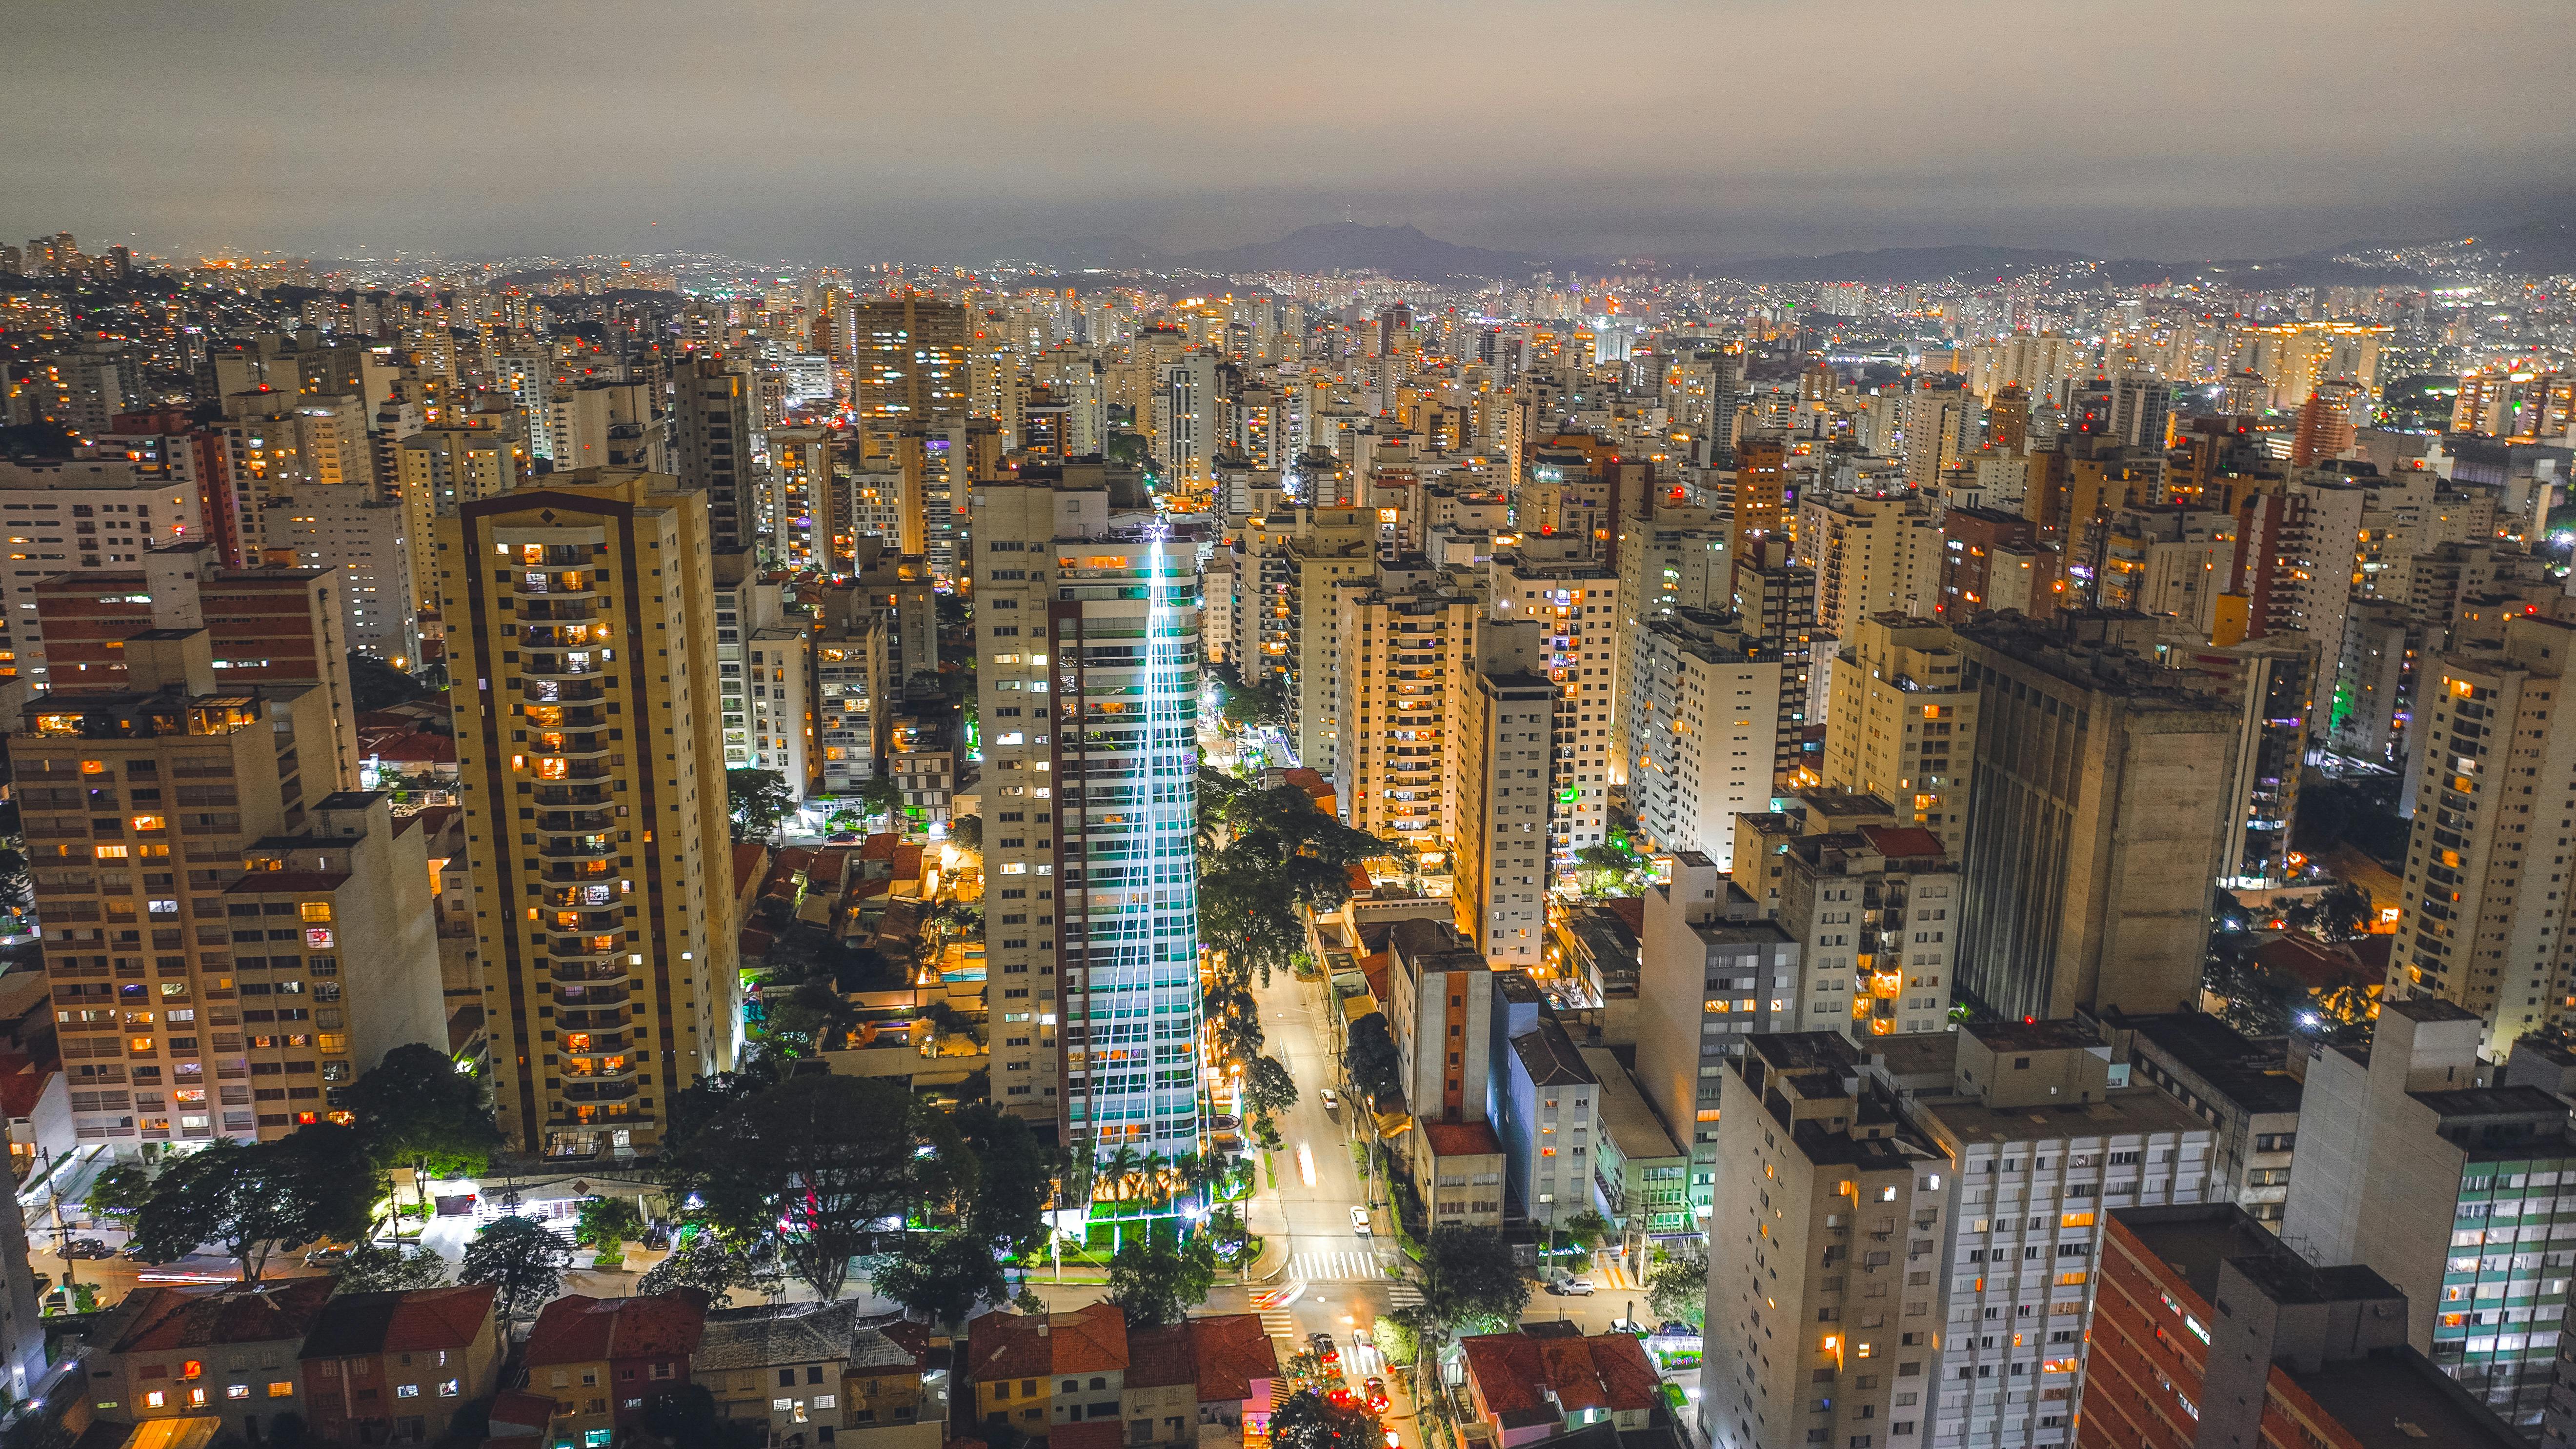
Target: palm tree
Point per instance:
(1156, 1188)
(1120, 1168)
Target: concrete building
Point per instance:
(351, 532)
(77, 515)
(1872, 554)
(2097, 822)
(1336, 545)
(2032, 1145)
(1711, 973)
(2209, 1333)
(1088, 690)
(1544, 1105)
(1874, 909)
(2478, 926)
(1506, 794)
(1576, 604)
(1903, 723)
(2242, 1088)
(714, 437)
(1815, 1332)
(1641, 1175)
(1702, 722)
(1408, 645)
(2410, 1167)
(764, 674)
(623, 849)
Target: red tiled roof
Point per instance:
(1631, 911)
(2314, 964)
(1901, 842)
(20, 1085)
(1009, 1346)
(750, 863)
(1233, 1353)
(1463, 1139)
(1628, 1378)
(206, 1317)
(419, 1321)
(518, 1406)
(1514, 1373)
(907, 862)
(1358, 877)
(878, 847)
(1507, 1370)
(1158, 1358)
(415, 747)
(580, 1329)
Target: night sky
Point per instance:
(850, 132)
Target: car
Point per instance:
(1566, 1285)
(1322, 1344)
(326, 1257)
(841, 837)
(1332, 1099)
(1675, 1328)
(88, 1248)
(1376, 1389)
(1359, 1220)
(1391, 1441)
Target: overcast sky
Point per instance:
(852, 131)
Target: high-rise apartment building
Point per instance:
(1703, 719)
(2099, 810)
(1874, 908)
(909, 364)
(1088, 663)
(445, 466)
(2410, 1167)
(1408, 647)
(764, 662)
(1576, 604)
(1505, 771)
(580, 618)
(2479, 925)
(1334, 546)
(1903, 723)
(1711, 972)
(1775, 603)
(714, 437)
(1872, 554)
(226, 950)
(76, 516)
(363, 540)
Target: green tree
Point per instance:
(1156, 1282)
(942, 1276)
(1015, 1176)
(1586, 1229)
(606, 1222)
(1677, 1290)
(811, 1018)
(118, 1193)
(374, 684)
(1268, 1090)
(253, 1201)
(1309, 1420)
(2343, 911)
(828, 1156)
(705, 1262)
(879, 796)
(521, 1257)
(374, 1269)
(1468, 1281)
(415, 1109)
(1371, 1057)
(688, 1415)
(757, 800)
(1395, 1338)
(966, 832)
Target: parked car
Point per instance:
(1567, 1285)
(88, 1248)
(1332, 1099)
(326, 1257)
(1359, 1220)
(1322, 1344)
(1675, 1328)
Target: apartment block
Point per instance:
(1506, 795)
(2479, 926)
(1545, 1106)
(80, 516)
(1408, 643)
(352, 533)
(715, 439)
(1711, 973)
(1335, 545)
(2098, 819)
(1875, 910)
(1703, 720)
(1903, 722)
(764, 674)
(2242, 1088)
(1816, 1333)
(602, 879)
(193, 926)
(1872, 554)
(1576, 604)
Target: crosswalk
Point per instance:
(1609, 1274)
(1278, 1324)
(1347, 1266)
(1403, 1295)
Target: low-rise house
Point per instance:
(816, 1373)
(220, 1351)
(393, 1368)
(1549, 1378)
(603, 1359)
(1037, 1371)
(1236, 1366)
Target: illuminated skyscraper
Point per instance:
(1089, 668)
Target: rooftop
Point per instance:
(581, 1329)
(425, 1319)
(2397, 1399)
(2129, 1112)
(1548, 1055)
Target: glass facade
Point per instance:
(1127, 675)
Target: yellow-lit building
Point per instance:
(581, 638)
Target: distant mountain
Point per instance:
(2546, 247)
(1112, 253)
(1885, 266)
(1398, 251)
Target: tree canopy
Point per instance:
(371, 1268)
(757, 800)
(1310, 1420)
(942, 1276)
(415, 1109)
(829, 1156)
(1677, 1290)
(255, 1200)
(1156, 1282)
(1469, 1282)
(520, 1256)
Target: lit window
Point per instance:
(155, 1399)
(450, 1388)
(281, 1390)
(407, 1391)
(237, 1391)
(315, 910)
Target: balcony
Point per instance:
(578, 847)
(562, 691)
(580, 873)
(576, 823)
(574, 664)
(575, 795)
(553, 584)
(600, 982)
